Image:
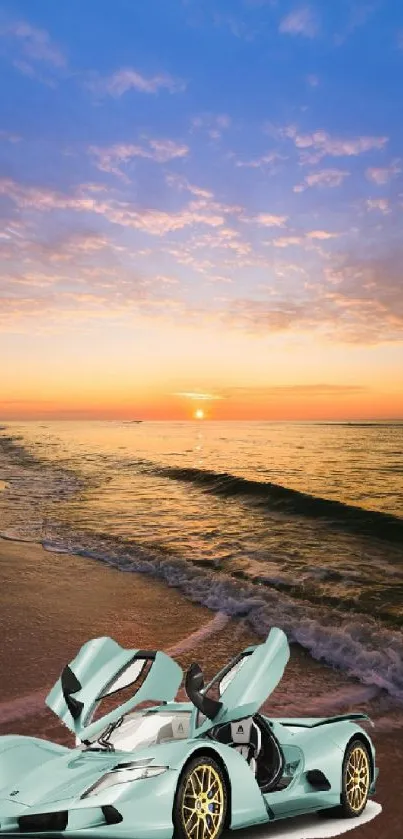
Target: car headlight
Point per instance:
(123, 776)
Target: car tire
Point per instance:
(356, 779)
(201, 800)
(352, 804)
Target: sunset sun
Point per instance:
(199, 414)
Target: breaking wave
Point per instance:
(354, 643)
(291, 501)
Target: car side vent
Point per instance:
(111, 814)
(318, 780)
(41, 822)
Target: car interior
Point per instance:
(254, 740)
(252, 737)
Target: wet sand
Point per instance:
(52, 603)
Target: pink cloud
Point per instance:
(359, 302)
(381, 204)
(323, 178)
(260, 162)
(271, 220)
(154, 222)
(323, 144)
(301, 21)
(127, 78)
(36, 44)
(109, 158)
(213, 125)
(305, 239)
(382, 175)
(182, 183)
(287, 241)
(321, 235)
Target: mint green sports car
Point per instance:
(147, 767)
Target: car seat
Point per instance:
(244, 736)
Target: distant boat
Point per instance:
(131, 422)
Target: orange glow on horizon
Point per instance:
(287, 406)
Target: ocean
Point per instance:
(297, 525)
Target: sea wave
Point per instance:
(282, 499)
(354, 643)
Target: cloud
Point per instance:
(287, 241)
(313, 390)
(381, 204)
(207, 397)
(357, 300)
(261, 316)
(270, 220)
(75, 247)
(301, 21)
(237, 26)
(154, 222)
(323, 144)
(109, 158)
(223, 238)
(382, 175)
(350, 299)
(127, 78)
(35, 44)
(32, 52)
(359, 14)
(368, 293)
(52, 308)
(266, 160)
(272, 391)
(79, 248)
(181, 183)
(83, 290)
(321, 235)
(323, 178)
(212, 124)
(10, 137)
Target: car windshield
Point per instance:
(145, 728)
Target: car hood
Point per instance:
(67, 776)
(62, 777)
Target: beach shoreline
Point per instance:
(51, 603)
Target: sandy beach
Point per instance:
(51, 603)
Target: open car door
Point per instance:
(101, 669)
(239, 690)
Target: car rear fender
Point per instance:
(342, 732)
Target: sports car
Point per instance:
(145, 766)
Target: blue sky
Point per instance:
(230, 165)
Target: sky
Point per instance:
(201, 209)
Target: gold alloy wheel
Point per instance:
(357, 778)
(203, 803)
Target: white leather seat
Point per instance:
(244, 736)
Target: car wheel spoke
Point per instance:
(203, 803)
(357, 778)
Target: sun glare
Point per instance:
(199, 414)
